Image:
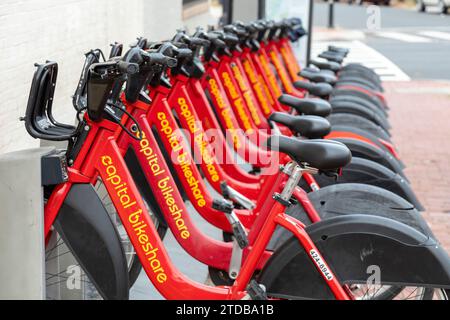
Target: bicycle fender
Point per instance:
(86, 228)
(353, 246)
(354, 120)
(365, 150)
(355, 198)
(353, 108)
(364, 171)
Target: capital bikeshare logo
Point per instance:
(136, 222)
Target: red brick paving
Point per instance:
(420, 119)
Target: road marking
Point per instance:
(367, 56)
(402, 37)
(436, 34)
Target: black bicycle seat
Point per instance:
(319, 154)
(332, 56)
(326, 65)
(318, 75)
(316, 107)
(311, 127)
(321, 89)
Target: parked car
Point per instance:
(442, 5)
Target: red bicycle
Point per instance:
(325, 249)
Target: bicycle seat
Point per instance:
(332, 56)
(321, 89)
(316, 107)
(319, 154)
(342, 50)
(318, 75)
(326, 65)
(311, 127)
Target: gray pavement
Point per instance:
(400, 37)
(355, 17)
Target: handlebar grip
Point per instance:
(219, 43)
(127, 67)
(184, 53)
(199, 41)
(157, 57)
(230, 38)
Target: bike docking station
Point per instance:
(30, 269)
(22, 227)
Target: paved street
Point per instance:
(420, 113)
(419, 43)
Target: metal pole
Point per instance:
(330, 14)
(310, 31)
(227, 16)
(261, 9)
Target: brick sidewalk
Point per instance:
(420, 119)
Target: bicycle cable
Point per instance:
(138, 128)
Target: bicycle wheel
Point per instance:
(290, 274)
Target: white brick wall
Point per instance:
(63, 30)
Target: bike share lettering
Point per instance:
(165, 186)
(118, 189)
(180, 156)
(246, 92)
(257, 87)
(272, 80)
(200, 140)
(237, 101)
(292, 70)
(280, 71)
(225, 112)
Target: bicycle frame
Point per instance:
(150, 157)
(102, 157)
(232, 69)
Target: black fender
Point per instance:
(355, 198)
(362, 75)
(353, 108)
(86, 228)
(369, 136)
(360, 132)
(356, 121)
(340, 101)
(365, 150)
(350, 245)
(351, 79)
(361, 101)
(364, 171)
(360, 94)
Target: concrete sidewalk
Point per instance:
(420, 119)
